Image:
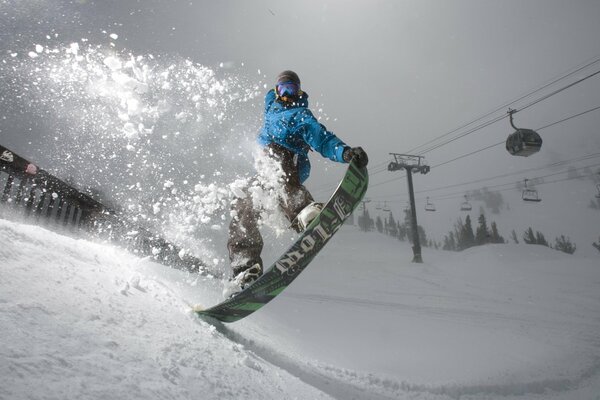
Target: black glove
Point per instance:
(357, 153)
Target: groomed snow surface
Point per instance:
(82, 320)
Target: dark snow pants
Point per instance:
(245, 242)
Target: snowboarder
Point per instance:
(289, 131)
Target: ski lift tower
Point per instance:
(411, 164)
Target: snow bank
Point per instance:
(84, 320)
(498, 320)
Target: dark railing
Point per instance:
(47, 199)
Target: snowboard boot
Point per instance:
(243, 277)
(306, 216)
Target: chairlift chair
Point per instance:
(429, 206)
(465, 205)
(529, 194)
(522, 142)
(385, 207)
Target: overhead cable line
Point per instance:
(557, 91)
(483, 125)
(568, 118)
(560, 77)
(551, 165)
(501, 142)
(554, 165)
(460, 194)
(378, 168)
(493, 145)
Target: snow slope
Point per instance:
(79, 320)
(85, 320)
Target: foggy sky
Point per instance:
(390, 75)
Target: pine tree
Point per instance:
(540, 239)
(496, 237)
(379, 224)
(467, 237)
(365, 222)
(482, 234)
(393, 226)
(401, 231)
(449, 242)
(514, 236)
(564, 244)
(529, 236)
(458, 229)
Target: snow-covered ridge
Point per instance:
(85, 320)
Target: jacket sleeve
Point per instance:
(321, 140)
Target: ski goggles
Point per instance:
(287, 89)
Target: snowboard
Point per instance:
(344, 200)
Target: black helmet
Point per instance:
(288, 76)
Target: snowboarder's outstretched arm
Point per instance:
(328, 144)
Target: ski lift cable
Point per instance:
(568, 118)
(461, 194)
(495, 144)
(468, 154)
(557, 91)
(470, 131)
(499, 118)
(328, 187)
(502, 142)
(551, 165)
(560, 77)
(388, 181)
(512, 188)
(546, 166)
(481, 126)
(458, 195)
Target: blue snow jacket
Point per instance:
(294, 127)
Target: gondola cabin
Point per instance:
(523, 142)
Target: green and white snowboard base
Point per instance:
(283, 271)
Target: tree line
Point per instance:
(463, 235)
